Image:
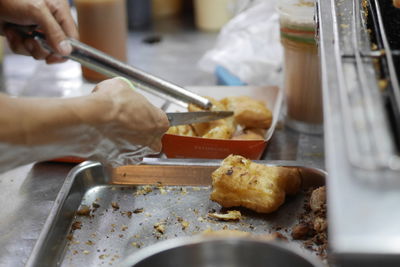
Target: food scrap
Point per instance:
(89, 243)
(144, 190)
(135, 244)
(184, 223)
(83, 211)
(139, 210)
(115, 205)
(313, 225)
(232, 215)
(127, 213)
(160, 227)
(76, 225)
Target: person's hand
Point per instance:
(396, 3)
(52, 16)
(127, 122)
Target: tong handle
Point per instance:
(105, 64)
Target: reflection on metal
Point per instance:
(361, 111)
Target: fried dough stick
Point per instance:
(240, 182)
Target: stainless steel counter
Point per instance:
(28, 192)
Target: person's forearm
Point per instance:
(115, 125)
(40, 129)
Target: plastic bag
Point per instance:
(249, 46)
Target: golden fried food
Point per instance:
(249, 112)
(240, 182)
(218, 129)
(203, 128)
(223, 131)
(185, 130)
(250, 134)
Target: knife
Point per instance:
(181, 118)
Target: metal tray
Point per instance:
(117, 228)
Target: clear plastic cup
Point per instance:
(302, 79)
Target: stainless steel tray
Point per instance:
(117, 228)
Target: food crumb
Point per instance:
(127, 213)
(139, 210)
(232, 215)
(160, 227)
(135, 244)
(115, 205)
(83, 211)
(76, 225)
(301, 231)
(103, 256)
(89, 243)
(144, 191)
(184, 223)
(183, 191)
(161, 188)
(95, 205)
(196, 188)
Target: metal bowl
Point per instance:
(221, 252)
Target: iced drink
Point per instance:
(302, 80)
(103, 25)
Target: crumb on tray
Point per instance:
(139, 210)
(76, 225)
(232, 215)
(115, 205)
(160, 227)
(83, 211)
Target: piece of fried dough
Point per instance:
(202, 128)
(250, 134)
(249, 112)
(240, 182)
(218, 129)
(223, 131)
(185, 130)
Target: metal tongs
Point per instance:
(111, 67)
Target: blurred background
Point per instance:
(177, 40)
